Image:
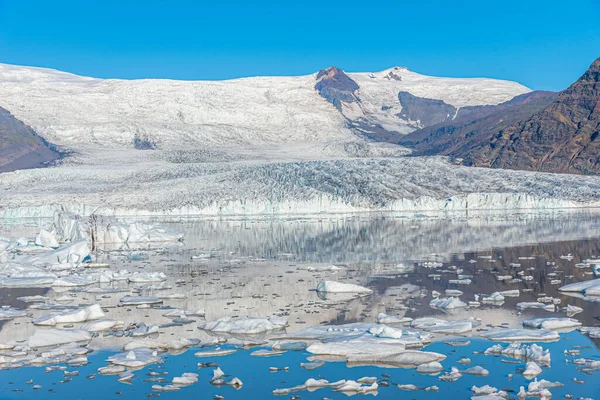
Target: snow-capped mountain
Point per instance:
(75, 111)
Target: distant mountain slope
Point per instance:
(475, 126)
(20, 146)
(77, 112)
(386, 105)
(560, 135)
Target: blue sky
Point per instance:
(542, 44)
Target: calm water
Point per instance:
(258, 268)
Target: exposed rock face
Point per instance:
(20, 146)
(425, 112)
(537, 131)
(561, 138)
(474, 127)
(335, 86)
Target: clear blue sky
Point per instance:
(542, 44)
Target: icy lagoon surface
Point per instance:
(486, 273)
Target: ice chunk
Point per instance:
(552, 323)
(135, 358)
(70, 316)
(46, 239)
(53, 337)
(532, 369)
(443, 326)
(405, 359)
(338, 287)
(535, 305)
(136, 300)
(101, 325)
(383, 318)
(10, 313)
(186, 379)
(447, 303)
(521, 335)
(433, 367)
(244, 325)
(74, 252)
(531, 352)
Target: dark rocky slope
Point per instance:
(562, 136)
(21, 147)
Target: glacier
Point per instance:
(252, 146)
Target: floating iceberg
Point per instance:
(520, 335)
(552, 323)
(70, 316)
(244, 325)
(338, 287)
(53, 337)
(135, 358)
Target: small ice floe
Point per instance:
(487, 390)
(100, 325)
(245, 325)
(179, 313)
(532, 369)
(290, 346)
(147, 277)
(7, 312)
(186, 379)
(277, 369)
(464, 361)
(593, 332)
(521, 335)
(451, 376)
(571, 310)
(329, 268)
(430, 368)
(310, 385)
(535, 305)
(111, 370)
(339, 287)
(476, 370)
(356, 387)
(531, 352)
(436, 325)
(409, 387)
(587, 287)
(215, 353)
(309, 366)
(136, 358)
(458, 343)
(386, 332)
(33, 299)
(172, 296)
(54, 337)
(137, 300)
(453, 292)
(510, 293)
(383, 318)
(126, 377)
(145, 330)
(266, 353)
(81, 314)
(395, 358)
(165, 388)
(218, 380)
(173, 345)
(494, 298)
(447, 303)
(561, 324)
(464, 281)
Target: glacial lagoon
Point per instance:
(490, 272)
